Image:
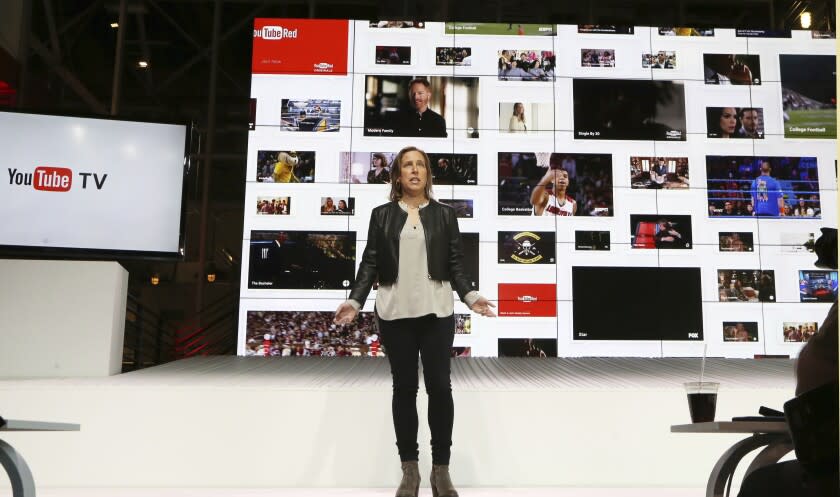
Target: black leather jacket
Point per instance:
(381, 256)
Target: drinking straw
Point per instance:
(703, 365)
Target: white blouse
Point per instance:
(516, 124)
(415, 293)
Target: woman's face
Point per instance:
(342, 204)
(413, 173)
(728, 120)
(518, 109)
(377, 161)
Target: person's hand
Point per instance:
(345, 314)
(741, 74)
(548, 177)
(483, 306)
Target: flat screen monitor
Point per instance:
(636, 303)
(90, 185)
(618, 109)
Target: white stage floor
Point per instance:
(467, 373)
(563, 427)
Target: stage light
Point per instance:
(115, 25)
(211, 277)
(805, 19)
(142, 64)
(154, 280)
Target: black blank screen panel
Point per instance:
(636, 303)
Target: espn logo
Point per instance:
(275, 33)
(52, 179)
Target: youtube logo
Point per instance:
(528, 299)
(53, 179)
(300, 46)
(275, 33)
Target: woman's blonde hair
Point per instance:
(396, 172)
(522, 117)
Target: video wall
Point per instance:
(621, 190)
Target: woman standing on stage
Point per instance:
(414, 249)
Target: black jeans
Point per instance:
(431, 338)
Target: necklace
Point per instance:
(412, 207)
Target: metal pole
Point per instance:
(208, 163)
(192, 41)
(681, 12)
(138, 339)
(118, 62)
(158, 333)
(48, 13)
(69, 78)
(234, 29)
(81, 16)
(23, 51)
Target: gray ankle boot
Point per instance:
(441, 483)
(410, 484)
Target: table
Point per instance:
(22, 483)
(772, 435)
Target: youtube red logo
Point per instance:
(300, 46)
(528, 299)
(52, 179)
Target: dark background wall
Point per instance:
(59, 56)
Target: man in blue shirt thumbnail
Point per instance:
(767, 196)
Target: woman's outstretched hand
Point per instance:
(345, 314)
(483, 306)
